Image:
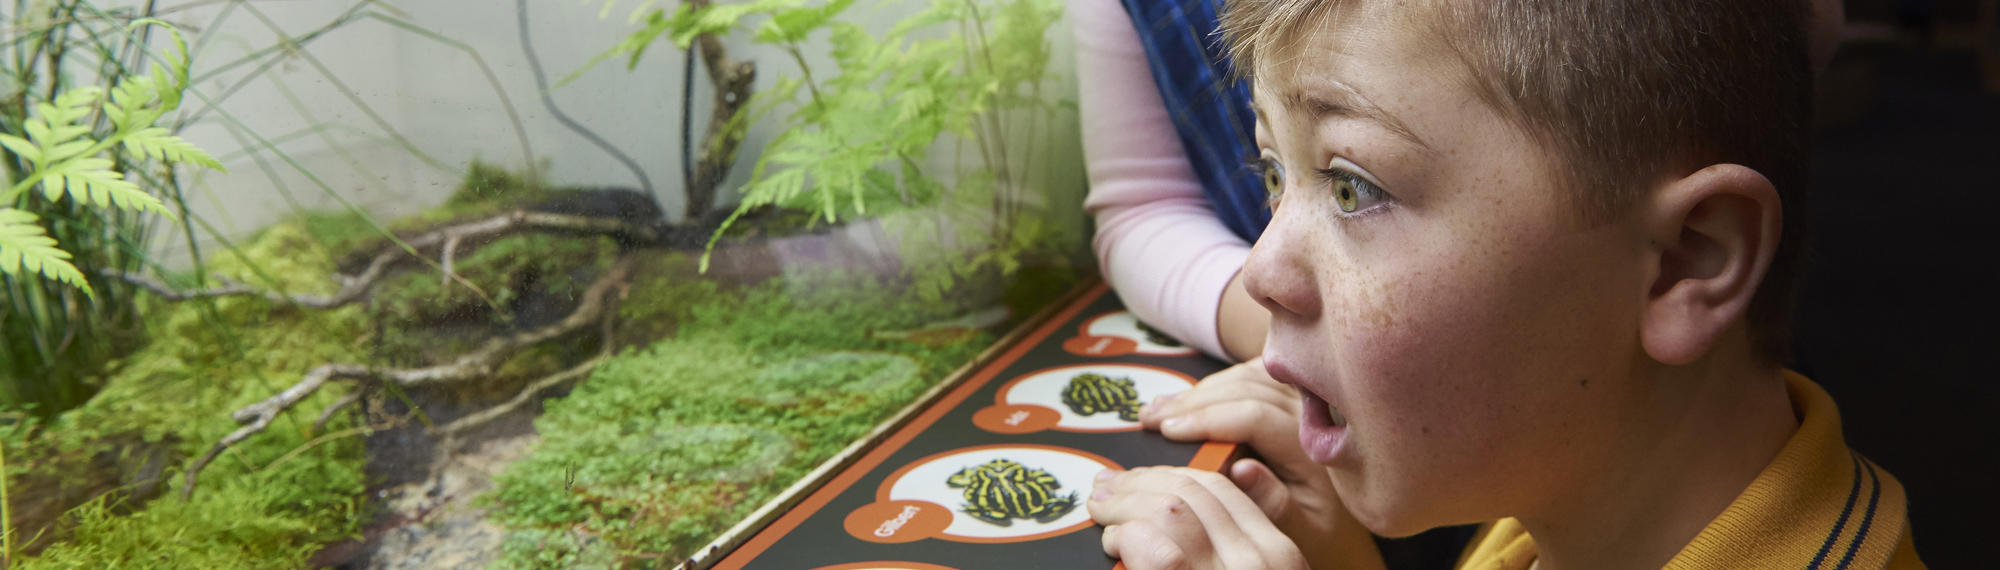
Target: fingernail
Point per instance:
(1171, 423)
(1105, 475)
(1163, 399)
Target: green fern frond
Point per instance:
(688, 22)
(132, 100)
(791, 25)
(156, 143)
(22, 147)
(24, 247)
(91, 180)
(169, 82)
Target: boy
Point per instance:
(1527, 264)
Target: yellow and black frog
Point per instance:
(1002, 490)
(1091, 393)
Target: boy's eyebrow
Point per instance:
(1347, 103)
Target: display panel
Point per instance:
(1001, 466)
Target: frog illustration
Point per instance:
(1154, 335)
(1091, 393)
(1002, 490)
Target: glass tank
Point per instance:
(459, 283)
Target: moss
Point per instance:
(736, 368)
(665, 291)
(486, 189)
(506, 270)
(251, 509)
(486, 184)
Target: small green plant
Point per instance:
(69, 157)
(969, 71)
(86, 169)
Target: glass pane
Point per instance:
(518, 284)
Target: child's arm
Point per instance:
(1244, 405)
(1158, 239)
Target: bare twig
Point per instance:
(605, 342)
(475, 419)
(326, 415)
(450, 250)
(349, 432)
(355, 288)
(259, 415)
(732, 79)
(476, 364)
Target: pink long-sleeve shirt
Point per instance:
(1158, 239)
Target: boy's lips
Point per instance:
(1322, 428)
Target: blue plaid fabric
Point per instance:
(1210, 110)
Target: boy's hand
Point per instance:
(1244, 405)
(1176, 517)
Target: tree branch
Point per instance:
(444, 240)
(478, 363)
(732, 79)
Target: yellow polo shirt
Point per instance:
(1817, 506)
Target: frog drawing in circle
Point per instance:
(1155, 336)
(1002, 490)
(1092, 393)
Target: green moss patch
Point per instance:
(264, 503)
(762, 384)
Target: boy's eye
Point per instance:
(1345, 195)
(1274, 173)
(1350, 191)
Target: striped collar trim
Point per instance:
(1817, 506)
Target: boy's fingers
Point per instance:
(1255, 539)
(1209, 520)
(1252, 423)
(1257, 422)
(1145, 523)
(1143, 547)
(1242, 381)
(1263, 487)
(1196, 508)
(1155, 494)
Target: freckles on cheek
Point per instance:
(1413, 343)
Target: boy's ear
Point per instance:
(1714, 233)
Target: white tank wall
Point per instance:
(436, 98)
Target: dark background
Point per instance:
(1897, 316)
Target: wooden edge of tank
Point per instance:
(736, 535)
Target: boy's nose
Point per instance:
(1277, 276)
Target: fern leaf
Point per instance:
(68, 133)
(38, 131)
(24, 247)
(66, 150)
(792, 25)
(22, 147)
(91, 180)
(115, 112)
(169, 82)
(73, 104)
(156, 143)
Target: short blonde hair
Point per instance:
(1622, 93)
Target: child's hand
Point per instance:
(1244, 405)
(1176, 517)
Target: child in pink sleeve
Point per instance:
(1159, 240)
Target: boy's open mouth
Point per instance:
(1321, 412)
(1322, 428)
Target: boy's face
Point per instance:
(1471, 334)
